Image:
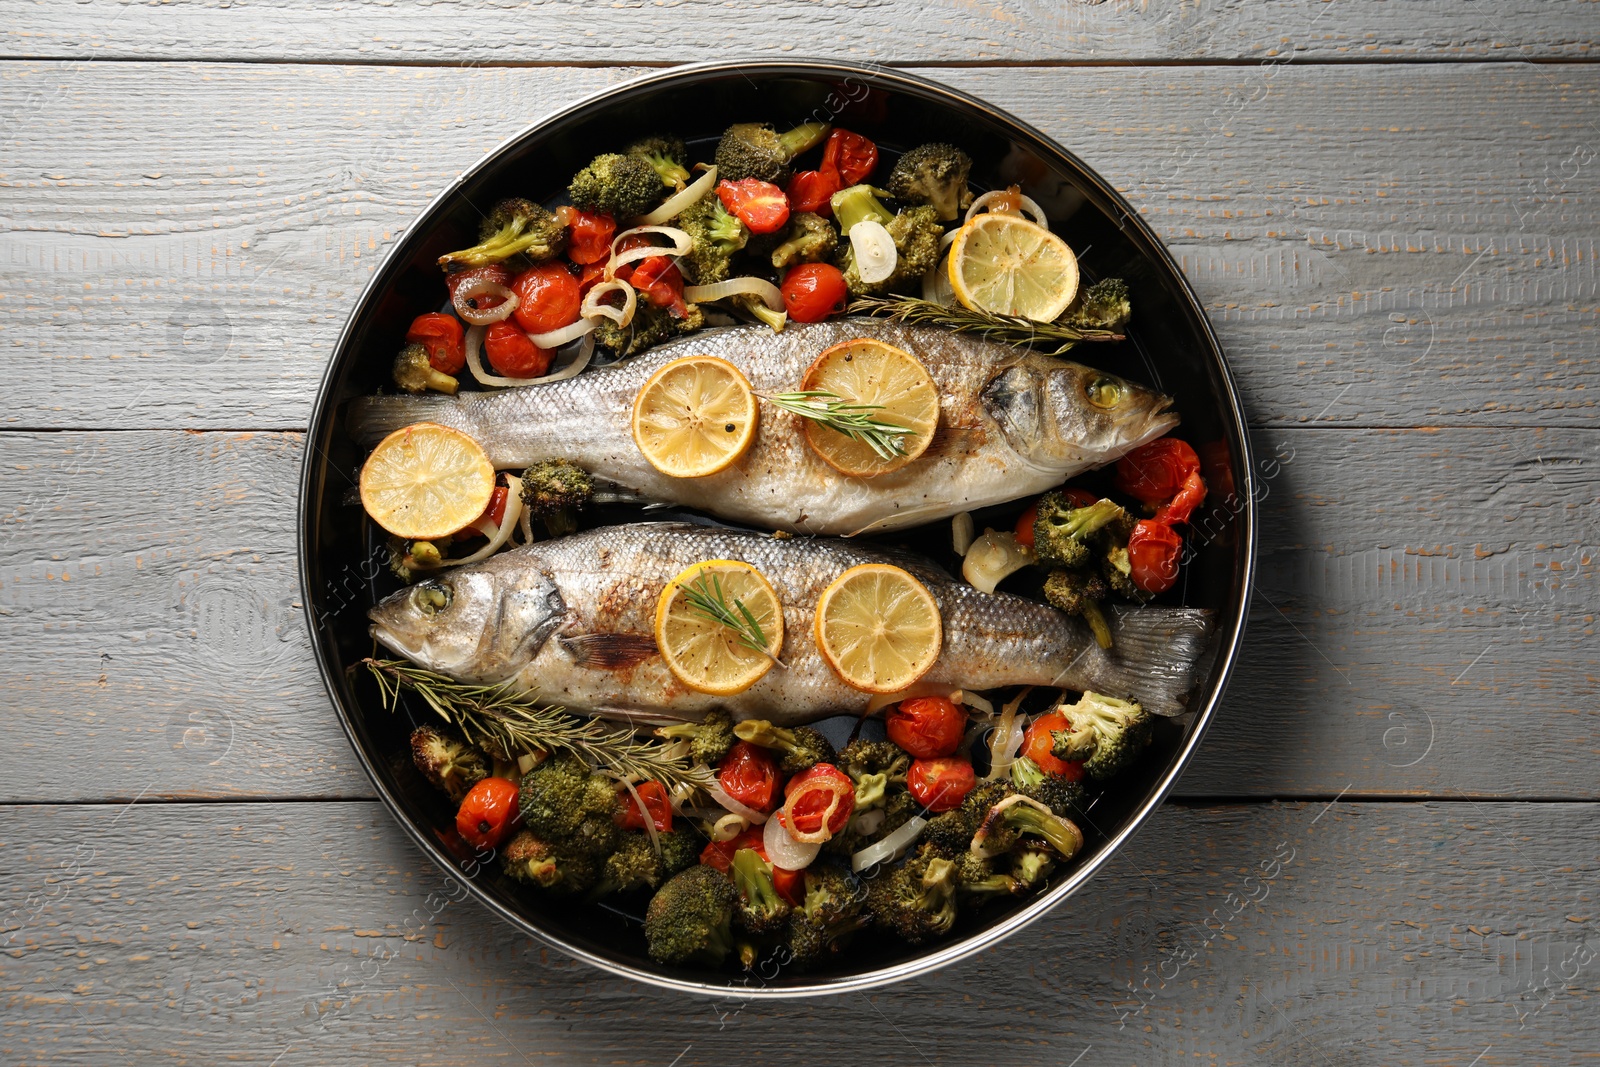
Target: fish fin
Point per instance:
(369, 419)
(609, 651)
(1152, 659)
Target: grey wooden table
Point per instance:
(1392, 212)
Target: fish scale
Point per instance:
(1012, 423)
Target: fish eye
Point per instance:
(1103, 392)
(430, 597)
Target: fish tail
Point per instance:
(370, 419)
(1153, 660)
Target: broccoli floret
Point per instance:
(680, 850)
(1079, 592)
(809, 239)
(977, 879)
(631, 865)
(933, 174)
(950, 833)
(1057, 792)
(831, 910)
(917, 900)
(717, 236)
(1032, 866)
(529, 858)
(651, 325)
(618, 185)
(709, 739)
(514, 226)
(757, 309)
(802, 747)
(555, 485)
(690, 919)
(861, 757)
(557, 796)
(451, 765)
(1106, 734)
(858, 203)
(1102, 306)
(1017, 815)
(413, 373)
(1062, 531)
(666, 154)
(761, 910)
(756, 150)
(916, 233)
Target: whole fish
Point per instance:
(574, 620)
(1012, 423)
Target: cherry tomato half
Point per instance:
(1025, 521)
(824, 791)
(442, 336)
(513, 354)
(850, 155)
(658, 280)
(926, 727)
(812, 190)
(813, 291)
(548, 295)
(1154, 472)
(1153, 552)
(495, 513)
(749, 775)
(940, 784)
(656, 802)
(759, 205)
(589, 234)
(488, 813)
(1038, 745)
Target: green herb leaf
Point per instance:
(1006, 329)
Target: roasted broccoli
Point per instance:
(756, 150)
(801, 748)
(916, 233)
(650, 326)
(1079, 592)
(1031, 866)
(830, 911)
(680, 850)
(977, 879)
(757, 309)
(917, 900)
(861, 757)
(690, 919)
(709, 739)
(1106, 734)
(933, 174)
(556, 485)
(666, 154)
(415, 374)
(1017, 815)
(529, 858)
(950, 833)
(561, 794)
(618, 185)
(1102, 306)
(454, 766)
(514, 226)
(1062, 530)
(1057, 792)
(761, 910)
(717, 237)
(809, 239)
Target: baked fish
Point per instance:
(573, 619)
(1012, 423)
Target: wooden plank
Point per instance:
(1367, 257)
(944, 31)
(1436, 591)
(1353, 934)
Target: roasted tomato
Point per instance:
(656, 801)
(442, 336)
(926, 727)
(589, 234)
(818, 803)
(1038, 745)
(812, 190)
(940, 784)
(813, 291)
(759, 205)
(548, 298)
(513, 353)
(1164, 473)
(849, 155)
(488, 813)
(750, 776)
(1154, 549)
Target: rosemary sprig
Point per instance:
(1007, 329)
(711, 603)
(855, 421)
(497, 716)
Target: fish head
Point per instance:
(476, 624)
(1057, 414)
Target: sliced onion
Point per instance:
(592, 308)
(720, 795)
(874, 250)
(729, 827)
(644, 812)
(890, 847)
(501, 535)
(917, 689)
(562, 336)
(1007, 739)
(961, 533)
(867, 823)
(976, 702)
(681, 243)
(784, 851)
(681, 201)
(474, 344)
(484, 316)
(993, 558)
(1029, 207)
(768, 292)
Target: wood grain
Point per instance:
(1424, 625)
(1389, 246)
(896, 31)
(1351, 934)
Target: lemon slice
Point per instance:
(694, 417)
(878, 628)
(871, 373)
(1009, 266)
(705, 653)
(426, 481)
